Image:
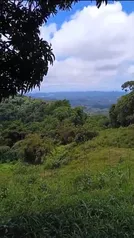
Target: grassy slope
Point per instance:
(90, 195)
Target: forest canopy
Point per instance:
(31, 128)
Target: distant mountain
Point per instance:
(93, 101)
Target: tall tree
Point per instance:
(128, 86)
(122, 113)
(24, 56)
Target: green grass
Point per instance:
(89, 194)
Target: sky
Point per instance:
(94, 48)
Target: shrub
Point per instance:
(83, 136)
(33, 148)
(7, 154)
(65, 133)
(59, 157)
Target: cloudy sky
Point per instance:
(94, 48)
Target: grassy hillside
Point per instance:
(83, 189)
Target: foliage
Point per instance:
(97, 197)
(7, 155)
(129, 85)
(65, 133)
(113, 116)
(32, 127)
(33, 148)
(59, 157)
(25, 57)
(122, 114)
(12, 136)
(85, 135)
(97, 123)
(82, 184)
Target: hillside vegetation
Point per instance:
(64, 173)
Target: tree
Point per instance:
(113, 116)
(78, 116)
(128, 86)
(24, 56)
(122, 113)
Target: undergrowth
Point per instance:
(83, 190)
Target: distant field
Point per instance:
(94, 101)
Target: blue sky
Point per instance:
(94, 48)
(128, 6)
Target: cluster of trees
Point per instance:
(122, 113)
(31, 128)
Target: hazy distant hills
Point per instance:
(93, 101)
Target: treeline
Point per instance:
(30, 129)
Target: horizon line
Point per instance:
(77, 91)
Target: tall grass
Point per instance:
(89, 194)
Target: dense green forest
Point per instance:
(31, 129)
(65, 173)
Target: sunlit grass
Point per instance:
(91, 195)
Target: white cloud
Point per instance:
(47, 32)
(93, 49)
(131, 70)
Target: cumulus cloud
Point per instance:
(47, 32)
(131, 70)
(93, 50)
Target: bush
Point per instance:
(83, 136)
(59, 157)
(33, 148)
(12, 136)
(7, 154)
(65, 133)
